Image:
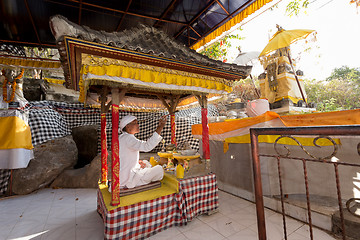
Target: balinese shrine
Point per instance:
(144, 68)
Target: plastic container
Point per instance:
(257, 107)
(153, 162)
(179, 171)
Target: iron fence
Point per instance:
(321, 132)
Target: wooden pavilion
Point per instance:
(136, 64)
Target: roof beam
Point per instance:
(27, 43)
(169, 8)
(195, 18)
(224, 20)
(123, 16)
(128, 13)
(32, 21)
(222, 6)
(195, 31)
(80, 8)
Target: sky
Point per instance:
(337, 23)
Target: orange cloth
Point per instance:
(227, 126)
(348, 117)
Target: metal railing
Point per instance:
(322, 132)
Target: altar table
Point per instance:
(195, 196)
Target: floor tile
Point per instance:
(71, 214)
(227, 208)
(88, 219)
(26, 227)
(246, 234)
(226, 226)
(168, 234)
(89, 233)
(296, 236)
(191, 225)
(203, 232)
(243, 217)
(209, 218)
(59, 231)
(317, 234)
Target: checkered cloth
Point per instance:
(4, 180)
(197, 196)
(46, 124)
(49, 120)
(142, 220)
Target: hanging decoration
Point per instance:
(13, 86)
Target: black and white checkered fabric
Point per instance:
(49, 120)
(4, 180)
(46, 124)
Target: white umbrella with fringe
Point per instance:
(246, 57)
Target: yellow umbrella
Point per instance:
(283, 38)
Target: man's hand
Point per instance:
(142, 164)
(162, 122)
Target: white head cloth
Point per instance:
(126, 120)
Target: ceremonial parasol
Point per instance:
(245, 57)
(283, 38)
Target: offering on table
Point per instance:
(153, 162)
(179, 171)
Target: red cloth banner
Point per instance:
(205, 133)
(115, 169)
(173, 128)
(104, 152)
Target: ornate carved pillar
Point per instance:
(205, 128)
(115, 166)
(104, 152)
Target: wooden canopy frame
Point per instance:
(75, 48)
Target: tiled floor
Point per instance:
(71, 214)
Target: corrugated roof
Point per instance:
(189, 21)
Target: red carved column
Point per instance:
(115, 181)
(104, 152)
(173, 128)
(205, 133)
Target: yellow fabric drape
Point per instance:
(15, 133)
(54, 80)
(232, 22)
(29, 63)
(305, 141)
(149, 76)
(169, 185)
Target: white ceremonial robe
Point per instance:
(131, 174)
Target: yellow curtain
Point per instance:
(149, 76)
(305, 141)
(29, 63)
(15, 133)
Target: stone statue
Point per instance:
(11, 76)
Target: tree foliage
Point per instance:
(346, 74)
(219, 50)
(294, 7)
(340, 91)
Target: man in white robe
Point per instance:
(135, 172)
